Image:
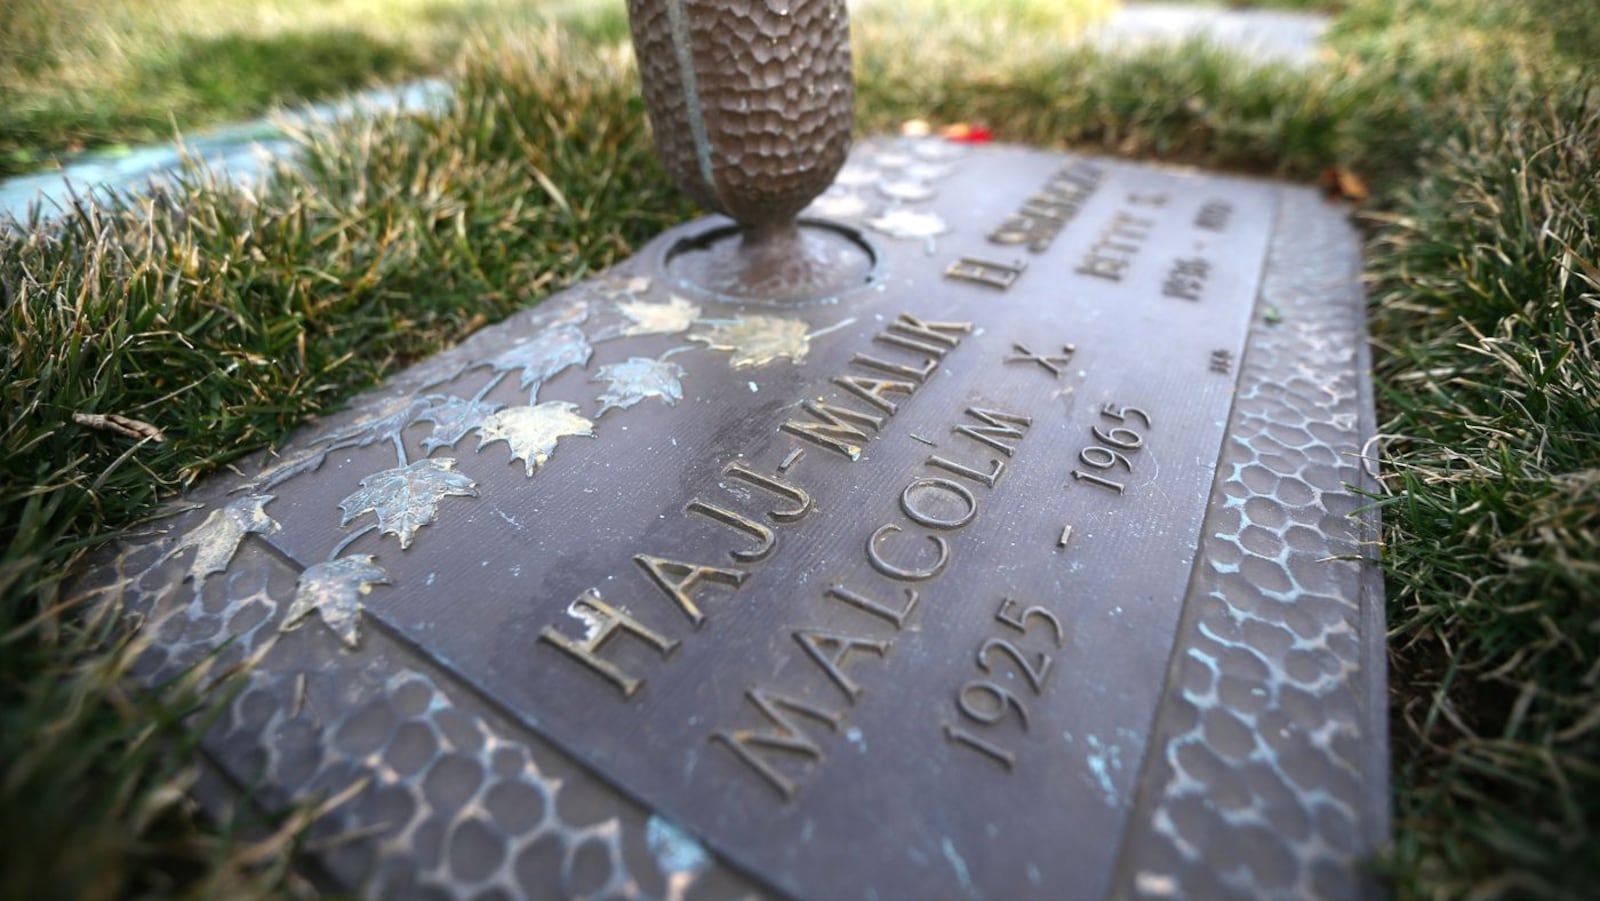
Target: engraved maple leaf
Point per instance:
(758, 340)
(638, 378)
(453, 418)
(532, 432)
(333, 590)
(406, 498)
(217, 538)
(543, 356)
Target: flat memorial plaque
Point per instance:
(1028, 568)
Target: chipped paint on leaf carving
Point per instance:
(453, 418)
(758, 340)
(636, 379)
(667, 318)
(532, 432)
(909, 224)
(217, 538)
(406, 498)
(333, 590)
(543, 356)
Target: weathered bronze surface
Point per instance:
(1029, 568)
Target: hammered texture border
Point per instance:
(1267, 777)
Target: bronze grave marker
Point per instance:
(994, 531)
(1025, 568)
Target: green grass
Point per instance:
(1488, 298)
(227, 321)
(101, 74)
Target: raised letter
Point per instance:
(603, 621)
(1052, 365)
(830, 649)
(678, 579)
(802, 499)
(765, 538)
(924, 518)
(996, 468)
(883, 611)
(831, 432)
(938, 332)
(1083, 175)
(1130, 225)
(873, 390)
(786, 735)
(936, 351)
(1047, 209)
(986, 272)
(1015, 230)
(882, 565)
(992, 431)
(1101, 266)
(916, 375)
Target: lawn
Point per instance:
(227, 319)
(99, 75)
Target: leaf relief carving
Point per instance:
(453, 418)
(676, 315)
(636, 379)
(758, 340)
(333, 591)
(544, 356)
(217, 538)
(532, 432)
(385, 423)
(406, 498)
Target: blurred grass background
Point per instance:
(82, 75)
(228, 317)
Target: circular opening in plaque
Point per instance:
(815, 261)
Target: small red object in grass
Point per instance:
(962, 133)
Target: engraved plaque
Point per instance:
(1031, 567)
